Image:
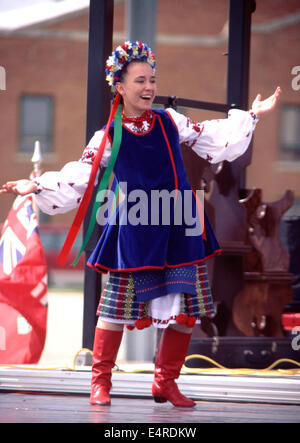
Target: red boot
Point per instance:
(106, 346)
(169, 360)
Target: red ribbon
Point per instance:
(72, 234)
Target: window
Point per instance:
(290, 132)
(36, 123)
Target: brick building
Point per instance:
(45, 61)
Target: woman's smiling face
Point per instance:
(138, 88)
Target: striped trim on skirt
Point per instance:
(119, 303)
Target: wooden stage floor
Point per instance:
(65, 408)
(36, 395)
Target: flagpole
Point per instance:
(36, 160)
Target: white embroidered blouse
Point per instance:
(213, 140)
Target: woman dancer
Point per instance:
(157, 271)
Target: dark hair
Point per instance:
(124, 71)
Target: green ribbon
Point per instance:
(105, 179)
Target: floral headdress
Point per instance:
(125, 54)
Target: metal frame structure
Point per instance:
(98, 107)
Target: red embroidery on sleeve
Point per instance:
(196, 126)
(88, 156)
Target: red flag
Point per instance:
(23, 286)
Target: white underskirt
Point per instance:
(161, 308)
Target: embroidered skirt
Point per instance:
(120, 303)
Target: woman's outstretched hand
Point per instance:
(19, 187)
(260, 106)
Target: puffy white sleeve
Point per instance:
(61, 191)
(217, 140)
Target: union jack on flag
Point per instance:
(23, 286)
(18, 227)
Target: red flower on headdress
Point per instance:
(122, 59)
(123, 55)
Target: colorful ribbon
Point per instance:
(105, 179)
(69, 241)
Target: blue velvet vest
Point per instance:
(141, 234)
